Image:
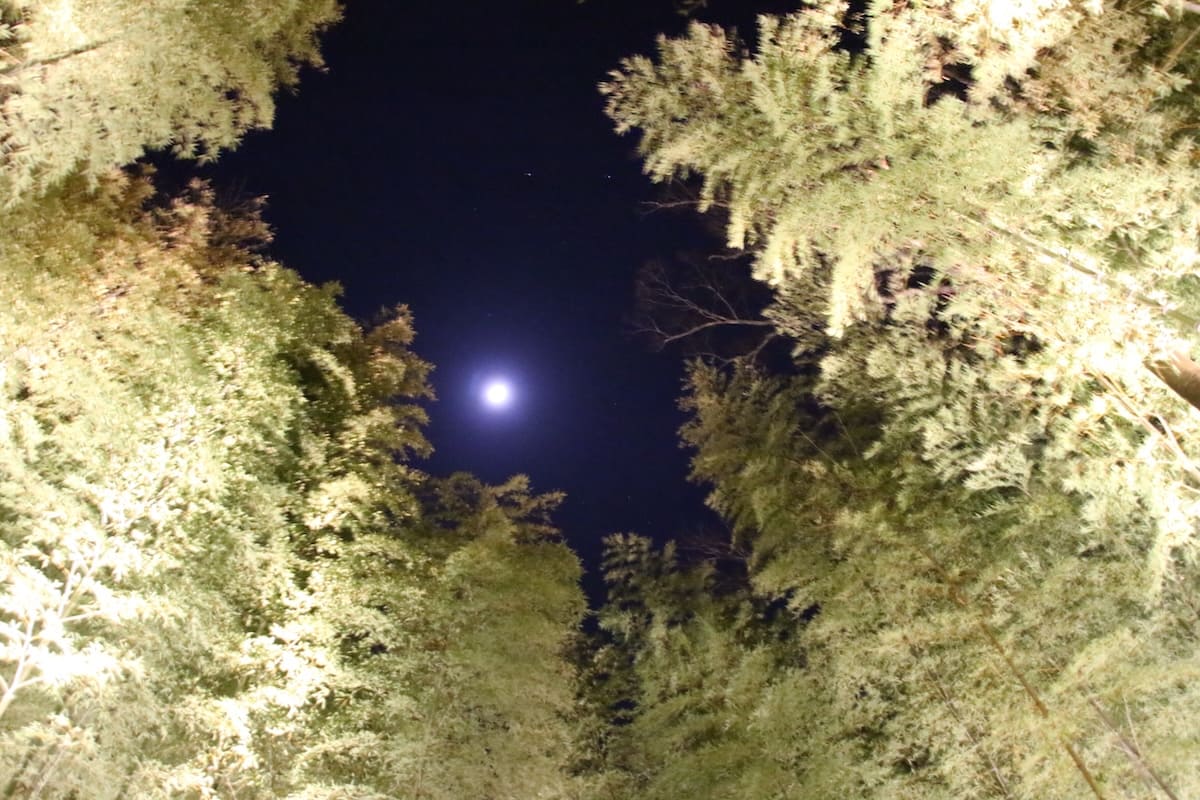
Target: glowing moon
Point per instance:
(497, 393)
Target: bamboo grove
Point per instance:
(960, 556)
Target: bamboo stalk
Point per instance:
(32, 63)
(1178, 371)
(961, 600)
(982, 219)
(1130, 748)
(994, 768)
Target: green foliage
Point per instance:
(88, 85)
(826, 158)
(981, 514)
(221, 576)
(168, 441)
(457, 684)
(680, 669)
(962, 557)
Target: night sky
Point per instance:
(455, 157)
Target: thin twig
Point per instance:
(954, 712)
(54, 59)
(846, 430)
(759, 323)
(1130, 748)
(1173, 56)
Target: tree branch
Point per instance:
(761, 323)
(1162, 435)
(686, 298)
(1178, 371)
(982, 218)
(21, 66)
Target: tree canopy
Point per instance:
(959, 553)
(221, 573)
(219, 579)
(980, 223)
(88, 85)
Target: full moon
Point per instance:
(497, 393)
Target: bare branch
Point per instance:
(693, 300)
(654, 206)
(716, 323)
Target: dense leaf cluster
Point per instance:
(221, 578)
(220, 573)
(961, 553)
(88, 85)
(979, 517)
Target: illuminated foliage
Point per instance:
(963, 559)
(982, 513)
(219, 574)
(455, 680)
(682, 660)
(219, 578)
(169, 438)
(87, 85)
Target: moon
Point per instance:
(497, 393)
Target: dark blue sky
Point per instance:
(455, 157)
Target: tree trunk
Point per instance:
(1178, 371)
